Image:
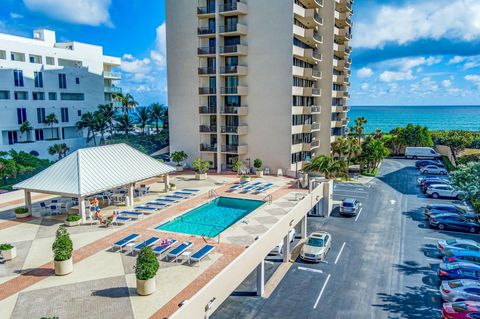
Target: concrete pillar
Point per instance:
(28, 201)
(327, 198)
(303, 227)
(286, 249)
(131, 199)
(81, 209)
(166, 181)
(261, 278)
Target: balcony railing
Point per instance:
(233, 28)
(206, 50)
(205, 10)
(232, 48)
(316, 73)
(319, 3)
(348, 36)
(113, 89)
(208, 128)
(316, 91)
(230, 129)
(207, 110)
(207, 90)
(315, 126)
(233, 90)
(317, 55)
(205, 30)
(230, 69)
(208, 148)
(317, 37)
(318, 18)
(206, 70)
(315, 143)
(233, 6)
(112, 75)
(230, 148)
(233, 109)
(315, 109)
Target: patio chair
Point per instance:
(54, 201)
(148, 243)
(124, 241)
(237, 186)
(251, 187)
(263, 188)
(54, 210)
(179, 250)
(191, 190)
(202, 253)
(181, 193)
(43, 208)
(119, 220)
(133, 215)
(157, 204)
(175, 197)
(164, 246)
(166, 200)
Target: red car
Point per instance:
(459, 310)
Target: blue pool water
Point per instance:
(213, 217)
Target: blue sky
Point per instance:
(418, 52)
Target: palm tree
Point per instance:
(59, 149)
(26, 128)
(127, 101)
(164, 117)
(326, 165)
(108, 113)
(142, 116)
(124, 123)
(51, 119)
(157, 112)
(340, 147)
(359, 129)
(89, 122)
(101, 126)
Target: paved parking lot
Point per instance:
(382, 263)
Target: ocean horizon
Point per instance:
(435, 117)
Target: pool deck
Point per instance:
(103, 282)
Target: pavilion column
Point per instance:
(286, 248)
(130, 195)
(81, 209)
(166, 181)
(261, 278)
(28, 201)
(303, 227)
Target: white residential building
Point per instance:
(40, 76)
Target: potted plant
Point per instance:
(62, 252)
(22, 212)
(172, 187)
(8, 251)
(73, 220)
(257, 163)
(178, 157)
(237, 167)
(145, 271)
(201, 167)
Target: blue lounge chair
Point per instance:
(157, 204)
(192, 190)
(146, 208)
(119, 220)
(252, 186)
(181, 193)
(263, 188)
(179, 250)
(124, 241)
(237, 186)
(164, 246)
(175, 197)
(166, 200)
(147, 243)
(135, 215)
(202, 253)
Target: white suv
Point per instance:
(432, 169)
(438, 190)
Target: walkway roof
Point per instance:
(92, 170)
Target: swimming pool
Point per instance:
(213, 217)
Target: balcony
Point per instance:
(315, 127)
(235, 29)
(303, 34)
(304, 54)
(206, 11)
(319, 3)
(339, 64)
(339, 108)
(315, 109)
(234, 90)
(315, 144)
(205, 31)
(234, 70)
(306, 91)
(206, 51)
(300, 147)
(316, 74)
(208, 148)
(208, 129)
(317, 56)
(342, 20)
(304, 15)
(301, 110)
(302, 72)
(207, 91)
(317, 18)
(207, 110)
(302, 128)
(234, 8)
(317, 37)
(112, 75)
(206, 71)
(235, 129)
(338, 94)
(238, 49)
(343, 6)
(112, 89)
(234, 110)
(235, 149)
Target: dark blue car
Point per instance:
(419, 164)
(458, 270)
(469, 256)
(454, 222)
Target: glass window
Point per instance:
(21, 95)
(77, 80)
(52, 96)
(62, 81)
(3, 55)
(64, 114)
(21, 115)
(317, 242)
(4, 95)
(41, 115)
(18, 77)
(50, 60)
(38, 79)
(39, 135)
(72, 96)
(36, 96)
(12, 137)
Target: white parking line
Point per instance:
(433, 238)
(434, 260)
(310, 269)
(269, 262)
(358, 215)
(321, 292)
(338, 256)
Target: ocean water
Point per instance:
(387, 118)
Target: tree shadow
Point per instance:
(403, 180)
(431, 251)
(410, 267)
(114, 292)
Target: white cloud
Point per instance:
(429, 19)
(391, 76)
(14, 15)
(88, 12)
(365, 73)
(424, 87)
(160, 54)
(409, 63)
(365, 86)
(474, 79)
(456, 59)
(446, 83)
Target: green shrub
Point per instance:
(147, 144)
(6, 246)
(73, 218)
(21, 210)
(468, 158)
(178, 157)
(200, 165)
(371, 173)
(147, 264)
(62, 246)
(447, 163)
(172, 185)
(257, 163)
(476, 204)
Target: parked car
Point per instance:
(473, 315)
(459, 211)
(459, 310)
(350, 207)
(460, 290)
(421, 180)
(447, 208)
(419, 164)
(448, 191)
(427, 184)
(279, 248)
(454, 222)
(462, 256)
(457, 244)
(432, 169)
(421, 152)
(458, 270)
(316, 247)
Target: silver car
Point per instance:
(457, 244)
(350, 207)
(460, 290)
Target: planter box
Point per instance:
(72, 224)
(172, 188)
(24, 215)
(200, 176)
(259, 173)
(9, 254)
(63, 268)
(146, 287)
(179, 168)
(245, 179)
